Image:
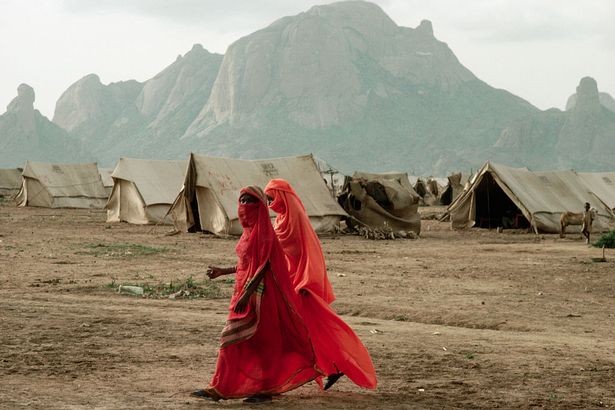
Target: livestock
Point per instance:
(578, 218)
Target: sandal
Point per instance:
(331, 379)
(258, 398)
(204, 394)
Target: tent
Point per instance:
(602, 184)
(500, 195)
(454, 187)
(144, 189)
(379, 200)
(105, 175)
(428, 191)
(61, 186)
(10, 181)
(208, 200)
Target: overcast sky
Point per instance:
(538, 50)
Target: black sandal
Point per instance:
(204, 394)
(258, 398)
(331, 379)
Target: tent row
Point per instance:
(501, 196)
(198, 194)
(201, 193)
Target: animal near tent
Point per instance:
(208, 200)
(61, 186)
(144, 190)
(525, 198)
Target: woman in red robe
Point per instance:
(339, 351)
(265, 348)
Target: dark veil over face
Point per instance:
(252, 206)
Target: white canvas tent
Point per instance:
(61, 186)
(602, 184)
(10, 181)
(144, 190)
(107, 180)
(208, 200)
(533, 198)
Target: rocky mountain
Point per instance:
(139, 119)
(25, 134)
(343, 81)
(582, 137)
(346, 82)
(89, 108)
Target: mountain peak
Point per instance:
(24, 100)
(587, 95)
(425, 27)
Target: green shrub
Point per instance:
(607, 240)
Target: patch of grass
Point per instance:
(120, 250)
(469, 356)
(188, 288)
(607, 240)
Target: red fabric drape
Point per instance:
(265, 349)
(299, 241)
(337, 347)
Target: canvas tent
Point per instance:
(61, 186)
(454, 187)
(525, 199)
(428, 190)
(208, 200)
(144, 190)
(10, 181)
(602, 184)
(378, 200)
(107, 180)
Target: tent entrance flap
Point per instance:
(495, 209)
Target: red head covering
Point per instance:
(254, 247)
(306, 262)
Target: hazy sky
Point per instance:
(537, 49)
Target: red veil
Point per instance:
(266, 348)
(337, 347)
(299, 241)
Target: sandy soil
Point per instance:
(471, 319)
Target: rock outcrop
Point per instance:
(582, 137)
(25, 134)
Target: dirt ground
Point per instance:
(473, 319)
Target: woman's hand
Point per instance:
(214, 271)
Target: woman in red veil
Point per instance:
(339, 351)
(265, 348)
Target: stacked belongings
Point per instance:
(383, 202)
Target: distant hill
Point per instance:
(25, 134)
(342, 81)
(582, 137)
(139, 119)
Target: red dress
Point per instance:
(337, 347)
(266, 348)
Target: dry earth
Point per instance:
(471, 319)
